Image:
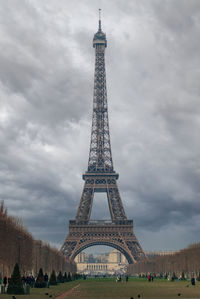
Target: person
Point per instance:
(193, 281)
(28, 280)
(126, 278)
(46, 278)
(23, 279)
(149, 277)
(152, 277)
(118, 278)
(5, 280)
(32, 281)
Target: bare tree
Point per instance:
(185, 262)
(18, 245)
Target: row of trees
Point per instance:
(18, 245)
(19, 285)
(185, 262)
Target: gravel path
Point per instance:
(64, 295)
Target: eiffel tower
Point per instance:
(101, 177)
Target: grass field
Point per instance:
(40, 293)
(108, 289)
(159, 289)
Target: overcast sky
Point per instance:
(46, 90)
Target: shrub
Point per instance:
(65, 277)
(40, 283)
(53, 280)
(69, 277)
(15, 284)
(60, 278)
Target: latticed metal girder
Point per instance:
(103, 183)
(101, 177)
(119, 236)
(100, 156)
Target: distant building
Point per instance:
(152, 254)
(116, 256)
(107, 263)
(82, 257)
(103, 258)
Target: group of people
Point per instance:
(119, 278)
(28, 280)
(150, 277)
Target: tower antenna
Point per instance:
(99, 19)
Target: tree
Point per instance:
(69, 277)
(65, 277)
(15, 285)
(40, 283)
(22, 248)
(53, 280)
(60, 278)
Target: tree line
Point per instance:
(183, 263)
(18, 245)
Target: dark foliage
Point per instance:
(40, 283)
(65, 278)
(60, 278)
(69, 277)
(15, 284)
(53, 280)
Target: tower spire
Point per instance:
(99, 19)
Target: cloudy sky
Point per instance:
(46, 88)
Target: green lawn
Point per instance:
(40, 293)
(108, 288)
(159, 289)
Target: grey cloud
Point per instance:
(46, 74)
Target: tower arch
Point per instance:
(106, 243)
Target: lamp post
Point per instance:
(37, 253)
(19, 238)
(46, 260)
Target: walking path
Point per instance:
(64, 295)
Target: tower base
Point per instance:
(118, 234)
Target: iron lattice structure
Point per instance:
(101, 177)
